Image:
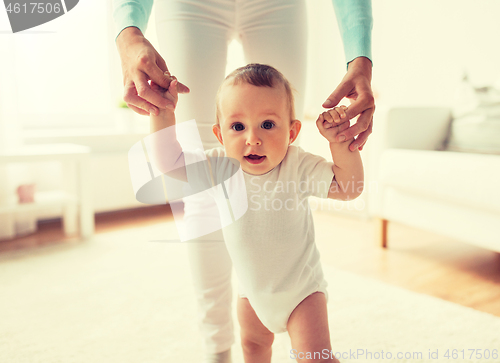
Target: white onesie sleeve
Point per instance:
(314, 173)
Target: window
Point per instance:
(61, 70)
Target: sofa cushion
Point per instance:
(417, 128)
(476, 132)
(471, 180)
(476, 123)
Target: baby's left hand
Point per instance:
(333, 122)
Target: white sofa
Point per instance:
(456, 194)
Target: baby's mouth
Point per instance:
(254, 158)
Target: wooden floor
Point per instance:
(415, 260)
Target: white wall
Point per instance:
(421, 50)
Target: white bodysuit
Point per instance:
(272, 245)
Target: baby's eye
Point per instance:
(267, 125)
(238, 127)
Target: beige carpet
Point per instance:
(120, 298)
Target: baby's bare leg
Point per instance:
(256, 339)
(308, 330)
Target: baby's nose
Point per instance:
(253, 138)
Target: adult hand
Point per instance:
(141, 63)
(356, 86)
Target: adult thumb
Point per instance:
(336, 96)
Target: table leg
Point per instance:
(87, 223)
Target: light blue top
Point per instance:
(353, 16)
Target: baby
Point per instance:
(281, 283)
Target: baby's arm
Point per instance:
(348, 180)
(168, 156)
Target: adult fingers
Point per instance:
(138, 85)
(361, 125)
(156, 70)
(363, 102)
(132, 99)
(344, 126)
(363, 137)
(161, 75)
(145, 92)
(342, 90)
(157, 88)
(140, 111)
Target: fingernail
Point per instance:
(152, 111)
(356, 146)
(170, 106)
(341, 138)
(327, 103)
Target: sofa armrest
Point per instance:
(418, 128)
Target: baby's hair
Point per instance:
(260, 75)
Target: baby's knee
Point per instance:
(255, 344)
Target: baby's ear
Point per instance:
(217, 133)
(294, 130)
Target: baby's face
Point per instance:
(255, 126)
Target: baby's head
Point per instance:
(255, 117)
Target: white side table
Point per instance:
(67, 154)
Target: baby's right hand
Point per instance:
(171, 93)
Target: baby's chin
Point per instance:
(252, 171)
